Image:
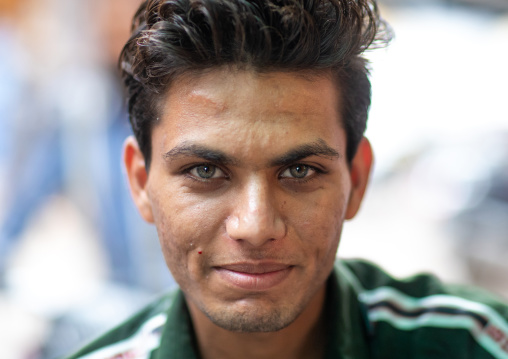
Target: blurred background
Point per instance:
(76, 258)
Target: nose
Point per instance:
(255, 217)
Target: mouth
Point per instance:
(254, 276)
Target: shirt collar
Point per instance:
(178, 340)
(348, 334)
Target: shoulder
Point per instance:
(137, 337)
(420, 314)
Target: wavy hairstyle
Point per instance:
(173, 37)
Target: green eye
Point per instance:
(298, 171)
(205, 171)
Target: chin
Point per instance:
(252, 321)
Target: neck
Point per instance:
(304, 338)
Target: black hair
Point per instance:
(173, 37)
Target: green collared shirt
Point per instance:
(368, 315)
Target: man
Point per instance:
(248, 156)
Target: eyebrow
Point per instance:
(204, 152)
(317, 148)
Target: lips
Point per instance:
(254, 276)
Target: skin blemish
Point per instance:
(200, 252)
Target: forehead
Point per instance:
(248, 108)
(225, 89)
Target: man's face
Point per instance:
(248, 188)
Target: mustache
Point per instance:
(253, 256)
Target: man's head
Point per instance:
(175, 37)
(251, 115)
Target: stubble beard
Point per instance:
(261, 318)
(252, 321)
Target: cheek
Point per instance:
(186, 228)
(318, 222)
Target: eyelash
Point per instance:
(303, 180)
(186, 171)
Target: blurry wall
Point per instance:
(439, 128)
(75, 257)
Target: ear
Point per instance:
(134, 162)
(360, 171)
